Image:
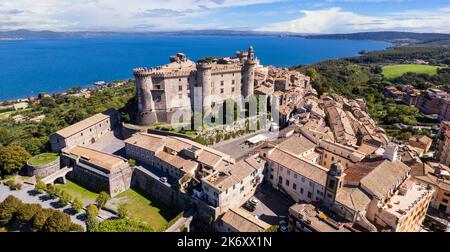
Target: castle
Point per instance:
(183, 86)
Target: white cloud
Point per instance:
(337, 20)
(108, 14)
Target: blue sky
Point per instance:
(302, 16)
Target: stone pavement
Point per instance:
(27, 195)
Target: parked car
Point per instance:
(163, 179)
(283, 229)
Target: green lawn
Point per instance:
(5, 115)
(42, 159)
(77, 191)
(395, 71)
(145, 209)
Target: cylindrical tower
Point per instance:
(248, 74)
(146, 106)
(204, 80)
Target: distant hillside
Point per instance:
(27, 34)
(398, 38)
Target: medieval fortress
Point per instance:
(184, 87)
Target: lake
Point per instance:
(28, 67)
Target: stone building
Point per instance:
(423, 143)
(443, 144)
(174, 91)
(311, 218)
(434, 101)
(238, 220)
(85, 132)
(438, 176)
(231, 185)
(98, 171)
(175, 156)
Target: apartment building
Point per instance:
(231, 185)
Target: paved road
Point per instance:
(237, 147)
(27, 196)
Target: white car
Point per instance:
(163, 179)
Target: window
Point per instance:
(180, 88)
(221, 83)
(301, 190)
(331, 184)
(287, 182)
(447, 194)
(303, 179)
(295, 175)
(294, 186)
(81, 134)
(332, 158)
(280, 180)
(233, 81)
(288, 172)
(221, 90)
(271, 176)
(329, 195)
(158, 86)
(311, 183)
(232, 89)
(309, 195)
(445, 200)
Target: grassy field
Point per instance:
(42, 159)
(395, 71)
(5, 115)
(77, 191)
(145, 209)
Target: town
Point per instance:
(293, 160)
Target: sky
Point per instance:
(299, 16)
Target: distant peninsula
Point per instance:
(397, 38)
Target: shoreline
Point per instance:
(34, 93)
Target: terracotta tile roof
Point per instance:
(82, 125)
(146, 141)
(98, 158)
(301, 166)
(385, 177)
(296, 145)
(230, 175)
(244, 221)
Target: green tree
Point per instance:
(8, 208)
(123, 211)
(13, 158)
(102, 199)
(40, 218)
(91, 217)
(77, 205)
(132, 162)
(312, 72)
(40, 186)
(64, 198)
(26, 212)
(51, 190)
(57, 222)
(273, 228)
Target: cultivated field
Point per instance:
(395, 71)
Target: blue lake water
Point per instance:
(28, 67)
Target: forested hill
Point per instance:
(393, 37)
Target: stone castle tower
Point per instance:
(146, 105)
(248, 74)
(204, 80)
(163, 91)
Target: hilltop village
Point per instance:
(322, 164)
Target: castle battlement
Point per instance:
(172, 74)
